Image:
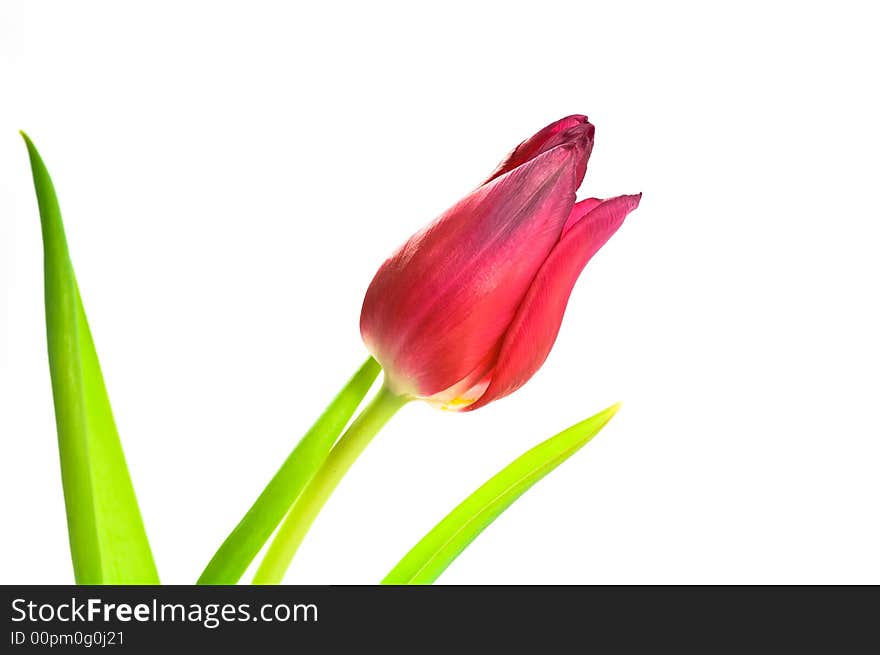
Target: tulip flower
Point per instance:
(462, 314)
(467, 310)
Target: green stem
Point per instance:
(242, 545)
(303, 513)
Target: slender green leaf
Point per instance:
(108, 543)
(308, 505)
(437, 549)
(250, 535)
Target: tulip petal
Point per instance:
(468, 390)
(549, 137)
(534, 329)
(444, 300)
(580, 210)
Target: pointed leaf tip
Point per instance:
(108, 543)
(439, 548)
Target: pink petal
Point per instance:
(580, 210)
(533, 331)
(468, 390)
(442, 302)
(564, 130)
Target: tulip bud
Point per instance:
(468, 308)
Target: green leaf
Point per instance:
(308, 505)
(108, 543)
(439, 548)
(250, 535)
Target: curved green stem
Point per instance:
(303, 513)
(242, 545)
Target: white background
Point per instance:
(231, 176)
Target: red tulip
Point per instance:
(467, 310)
